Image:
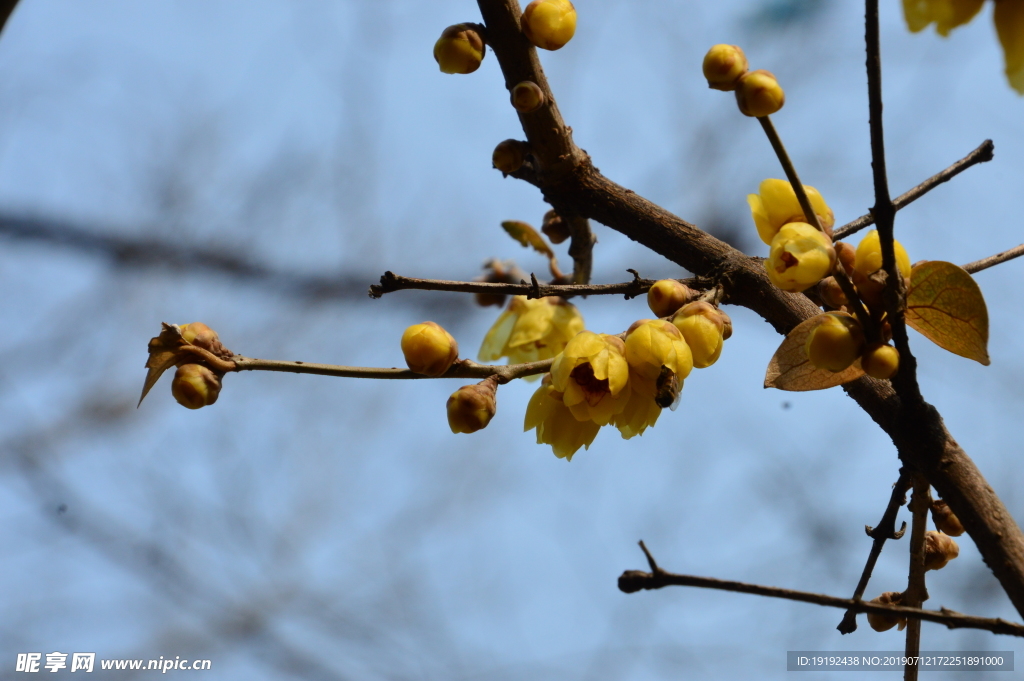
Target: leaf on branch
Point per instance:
(945, 304)
(789, 368)
(528, 236)
(163, 354)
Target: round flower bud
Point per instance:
(429, 349)
(831, 293)
(800, 257)
(555, 228)
(527, 97)
(759, 94)
(887, 622)
(776, 205)
(869, 255)
(195, 386)
(509, 155)
(939, 549)
(668, 295)
(460, 49)
(880, 361)
(654, 344)
(549, 24)
(704, 327)
(945, 520)
(723, 65)
(202, 336)
(836, 342)
(471, 407)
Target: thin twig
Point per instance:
(461, 369)
(632, 581)
(886, 529)
(630, 289)
(982, 154)
(992, 260)
(790, 169)
(916, 593)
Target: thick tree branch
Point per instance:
(919, 434)
(632, 581)
(982, 154)
(6, 8)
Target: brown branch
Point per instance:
(919, 435)
(461, 369)
(992, 260)
(630, 289)
(787, 166)
(632, 581)
(886, 530)
(982, 154)
(916, 593)
(6, 8)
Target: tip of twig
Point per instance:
(650, 558)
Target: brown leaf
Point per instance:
(945, 304)
(163, 352)
(789, 368)
(527, 236)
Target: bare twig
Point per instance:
(630, 289)
(886, 530)
(461, 369)
(916, 593)
(992, 260)
(632, 581)
(982, 154)
(6, 8)
(791, 175)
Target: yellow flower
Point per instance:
(723, 66)
(654, 347)
(705, 329)
(946, 14)
(836, 342)
(593, 377)
(869, 255)
(549, 24)
(801, 256)
(555, 424)
(429, 349)
(776, 205)
(531, 330)
(1009, 18)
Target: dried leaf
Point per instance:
(163, 352)
(527, 236)
(945, 304)
(789, 368)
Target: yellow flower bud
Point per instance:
(460, 49)
(593, 376)
(887, 622)
(549, 24)
(195, 386)
(555, 228)
(939, 549)
(836, 342)
(776, 205)
(531, 330)
(800, 257)
(653, 345)
(429, 349)
(830, 292)
(555, 423)
(509, 155)
(869, 255)
(723, 66)
(880, 361)
(527, 97)
(759, 94)
(945, 520)
(471, 407)
(667, 296)
(704, 328)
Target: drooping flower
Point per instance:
(776, 204)
(659, 360)
(531, 330)
(555, 423)
(705, 329)
(429, 349)
(801, 256)
(593, 377)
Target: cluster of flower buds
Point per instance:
(196, 385)
(549, 24)
(758, 93)
(460, 49)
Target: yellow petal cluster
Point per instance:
(555, 424)
(1009, 18)
(531, 330)
(652, 347)
(776, 204)
(869, 255)
(593, 377)
(945, 14)
(800, 257)
(705, 329)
